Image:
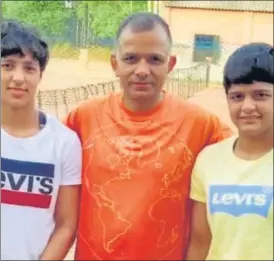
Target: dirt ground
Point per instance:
(62, 74)
(214, 100)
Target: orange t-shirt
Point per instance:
(136, 177)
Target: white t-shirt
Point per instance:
(32, 170)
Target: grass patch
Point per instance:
(67, 51)
(64, 51)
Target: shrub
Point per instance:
(99, 53)
(65, 51)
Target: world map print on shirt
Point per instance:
(141, 166)
(136, 176)
(26, 183)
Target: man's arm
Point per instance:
(67, 205)
(200, 235)
(219, 130)
(72, 121)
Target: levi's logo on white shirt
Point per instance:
(26, 183)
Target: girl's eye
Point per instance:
(236, 97)
(30, 69)
(7, 66)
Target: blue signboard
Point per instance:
(206, 46)
(204, 42)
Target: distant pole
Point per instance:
(149, 6)
(208, 67)
(86, 26)
(158, 6)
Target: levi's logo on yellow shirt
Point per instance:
(238, 200)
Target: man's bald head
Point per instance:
(142, 22)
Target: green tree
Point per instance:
(104, 16)
(49, 16)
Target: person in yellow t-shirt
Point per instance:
(232, 181)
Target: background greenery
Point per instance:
(86, 24)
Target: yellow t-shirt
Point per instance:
(239, 199)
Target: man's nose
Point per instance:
(142, 69)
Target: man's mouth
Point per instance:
(142, 85)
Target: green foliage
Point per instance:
(104, 16)
(52, 16)
(48, 16)
(93, 19)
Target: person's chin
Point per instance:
(250, 130)
(17, 103)
(136, 93)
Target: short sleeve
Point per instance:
(71, 120)
(72, 162)
(197, 189)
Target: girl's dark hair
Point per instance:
(249, 63)
(18, 38)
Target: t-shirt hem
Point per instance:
(197, 198)
(71, 183)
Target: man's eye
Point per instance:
(129, 58)
(155, 59)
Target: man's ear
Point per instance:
(172, 62)
(113, 63)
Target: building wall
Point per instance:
(234, 29)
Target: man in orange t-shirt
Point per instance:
(139, 148)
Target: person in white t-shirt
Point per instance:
(40, 157)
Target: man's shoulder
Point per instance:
(93, 105)
(61, 132)
(214, 151)
(190, 109)
(90, 104)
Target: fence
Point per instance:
(181, 82)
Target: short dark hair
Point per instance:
(141, 22)
(249, 63)
(18, 38)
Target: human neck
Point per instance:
(20, 122)
(143, 105)
(251, 148)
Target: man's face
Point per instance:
(142, 63)
(251, 108)
(20, 76)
